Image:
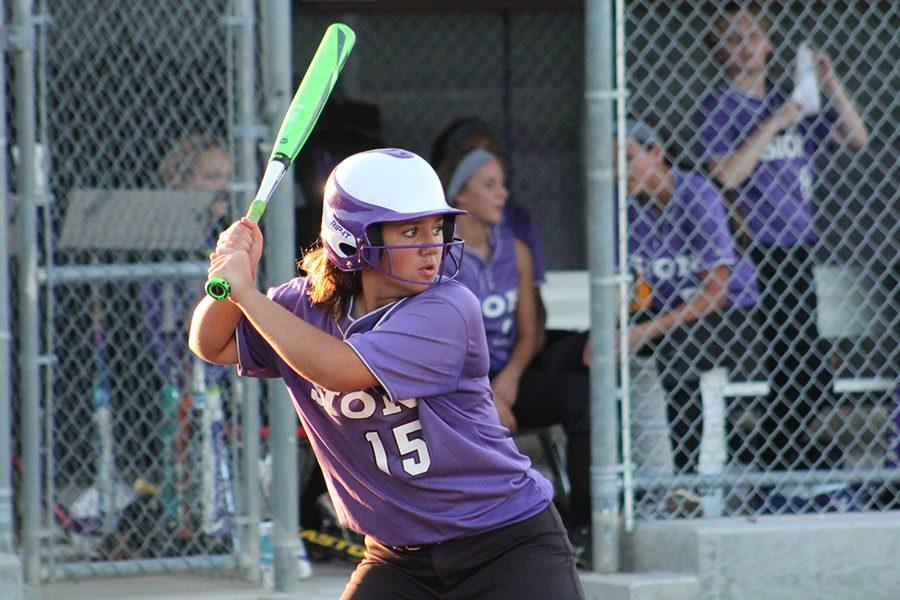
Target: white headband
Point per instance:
(464, 171)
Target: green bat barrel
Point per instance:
(301, 117)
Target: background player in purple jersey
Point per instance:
(463, 135)
(528, 391)
(386, 361)
(680, 243)
(757, 143)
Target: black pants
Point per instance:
(556, 389)
(727, 338)
(530, 559)
(799, 377)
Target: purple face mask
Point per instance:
(451, 251)
(383, 186)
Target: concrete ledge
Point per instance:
(806, 556)
(11, 586)
(655, 585)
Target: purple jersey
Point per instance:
(495, 282)
(669, 248)
(516, 217)
(421, 458)
(777, 196)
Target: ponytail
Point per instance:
(329, 288)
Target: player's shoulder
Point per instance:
(291, 294)
(694, 181)
(723, 95)
(452, 295)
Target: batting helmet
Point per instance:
(382, 186)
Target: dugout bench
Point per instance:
(843, 312)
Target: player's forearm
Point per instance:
(541, 325)
(307, 350)
(850, 129)
(522, 353)
(211, 335)
(713, 295)
(734, 169)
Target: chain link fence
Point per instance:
(779, 399)
(138, 142)
(762, 180)
(135, 175)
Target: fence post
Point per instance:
(27, 290)
(280, 254)
(247, 173)
(10, 565)
(601, 213)
(713, 448)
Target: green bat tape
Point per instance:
(256, 210)
(218, 288)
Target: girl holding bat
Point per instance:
(385, 358)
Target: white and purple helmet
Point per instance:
(382, 186)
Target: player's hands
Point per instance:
(638, 336)
(242, 236)
(637, 339)
(233, 265)
(507, 418)
(788, 114)
(505, 387)
(825, 69)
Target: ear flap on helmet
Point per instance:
(449, 228)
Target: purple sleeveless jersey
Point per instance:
(669, 248)
(495, 282)
(777, 196)
(422, 458)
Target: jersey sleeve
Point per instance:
(710, 240)
(419, 351)
(256, 358)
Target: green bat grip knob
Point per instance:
(218, 288)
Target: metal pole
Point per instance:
(247, 171)
(280, 255)
(27, 290)
(10, 565)
(601, 214)
(622, 225)
(29, 400)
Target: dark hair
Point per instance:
(713, 37)
(663, 135)
(329, 288)
(453, 140)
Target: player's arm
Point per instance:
(213, 323)
(212, 331)
(541, 324)
(731, 170)
(506, 382)
(849, 129)
(712, 296)
(314, 354)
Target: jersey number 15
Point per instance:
(416, 464)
